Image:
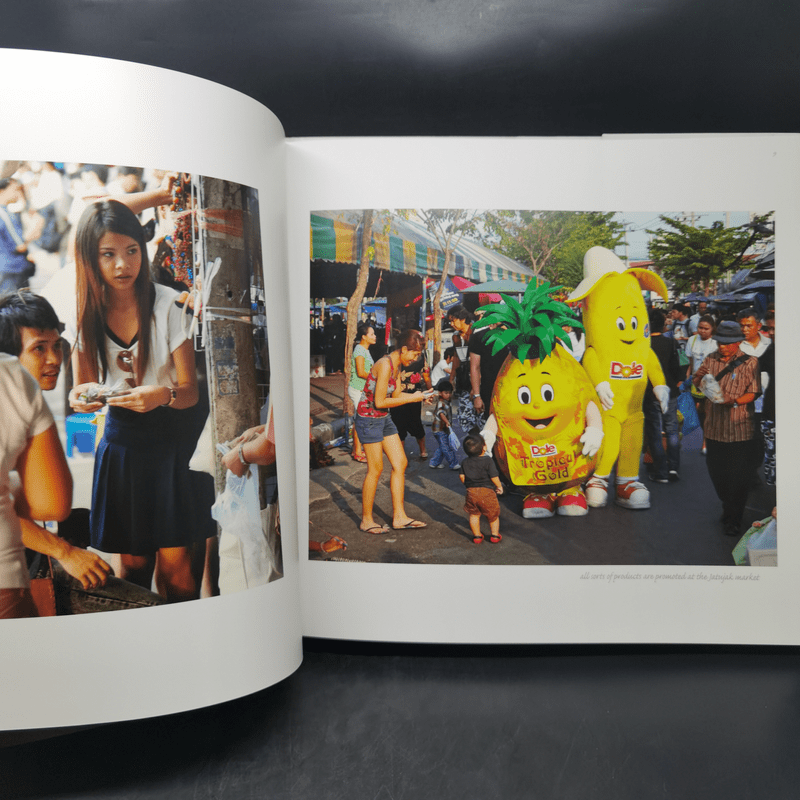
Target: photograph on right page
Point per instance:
(542, 387)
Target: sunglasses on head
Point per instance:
(125, 363)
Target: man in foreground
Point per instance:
(732, 445)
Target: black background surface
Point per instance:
(402, 721)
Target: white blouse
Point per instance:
(166, 336)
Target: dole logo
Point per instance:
(622, 371)
(539, 450)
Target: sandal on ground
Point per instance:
(375, 530)
(477, 539)
(362, 459)
(496, 539)
(333, 544)
(412, 524)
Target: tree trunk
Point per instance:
(353, 304)
(437, 303)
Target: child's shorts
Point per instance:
(481, 500)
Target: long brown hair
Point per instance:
(109, 216)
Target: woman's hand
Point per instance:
(86, 567)
(82, 406)
(142, 398)
(249, 434)
(165, 189)
(232, 462)
(254, 446)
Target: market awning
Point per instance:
(407, 247)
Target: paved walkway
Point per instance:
(681, 527)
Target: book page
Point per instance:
(202, 605)
(640, 557)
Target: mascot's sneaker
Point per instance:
(597, 492)
(538, 506)
(572, 503)
(632, 495)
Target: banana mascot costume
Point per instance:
(619, 362)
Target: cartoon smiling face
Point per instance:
(535, 398)
(540, 407)
(616, 318)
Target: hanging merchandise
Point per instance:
(183, 237)
(173, 261)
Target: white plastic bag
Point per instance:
(762, 547)
(238, 512)
(202, 459)
(711, 389)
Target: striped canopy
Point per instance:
(407, 247)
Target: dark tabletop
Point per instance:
(381, 721)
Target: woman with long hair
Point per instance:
(378, 433)
(131, 353)
(699, 346)
(359, 372)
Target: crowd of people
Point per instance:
(736, 411)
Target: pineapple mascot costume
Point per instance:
(619, 362)
(545, 422)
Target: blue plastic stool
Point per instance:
(81, 432)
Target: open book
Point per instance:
(258, 201)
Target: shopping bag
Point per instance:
(757, 545)
(687, 407)
(238, 512)
(455, 442)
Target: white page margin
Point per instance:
(432, 603)
(126, 665)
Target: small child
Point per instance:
(442, 419)
(443, 371)
(479, 474)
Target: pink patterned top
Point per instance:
(366, 406)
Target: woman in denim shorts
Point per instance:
(378, 434)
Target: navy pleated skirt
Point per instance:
(144, 495)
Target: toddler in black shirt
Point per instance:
(482, 480)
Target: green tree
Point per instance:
(552, 243)
(448, 226)
(695, 258)
(354, 303)
(588, 229)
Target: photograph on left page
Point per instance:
(138, 464)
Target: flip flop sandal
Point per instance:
(410, 526)
(342, 544)
(477, 539)
(375, 530)
(496, 539)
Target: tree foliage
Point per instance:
(553, 243)
(695, 257)
(448, 226)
